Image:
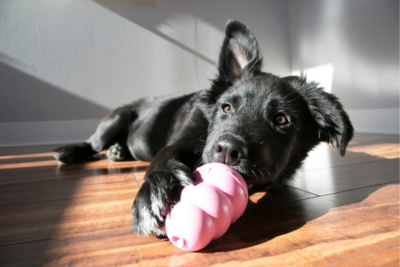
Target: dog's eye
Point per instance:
(280, 119)
(227, 108)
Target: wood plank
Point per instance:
(63, 189)
(325, 156)
(12, 151)
(284, 194)
(26, 158)
(43, 220)
(76, 200)
(49, 178)
(38, 184)
(386, 256)
(56, 171)
(347, 177)
(368, 138)
(41, 192)
(385, 150)
(80, 214)
(98, 164)
(311, 232)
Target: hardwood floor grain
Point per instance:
(347, 177)
(337, 212)
(312, 232)
(386, 256)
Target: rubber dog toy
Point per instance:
(206, 209)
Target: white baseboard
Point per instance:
(46, 132)
(380, 121)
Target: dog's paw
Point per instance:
(74, 153)
(156, 198)
(144, 220)
(118, 152)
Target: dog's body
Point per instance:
(259, 124)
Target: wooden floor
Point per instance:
(337, 212)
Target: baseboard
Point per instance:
(46, 132)
(380, 121)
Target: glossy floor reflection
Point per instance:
(337, 211)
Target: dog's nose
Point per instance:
(229, 150)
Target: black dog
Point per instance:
(259, 124)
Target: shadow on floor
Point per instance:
(261, 225)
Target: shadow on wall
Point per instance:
(153, 16)
(39, 100)
(194, 26)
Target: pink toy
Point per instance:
(206, 209)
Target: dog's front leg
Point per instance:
(168, 173)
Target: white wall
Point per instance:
(352, 46)
(65, 64)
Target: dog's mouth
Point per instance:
(251, 173)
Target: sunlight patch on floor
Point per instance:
(37, 155)
(386, 151)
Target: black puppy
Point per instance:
(259, 124)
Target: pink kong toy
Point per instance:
(218, 198)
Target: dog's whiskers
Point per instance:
(255, 175)
(258, 169)
(201, 140)
(199, 163)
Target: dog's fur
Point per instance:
(259, 124)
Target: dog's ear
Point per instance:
(239, 57)
(239, 53)
(334, 125)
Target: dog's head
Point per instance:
(263, 125)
